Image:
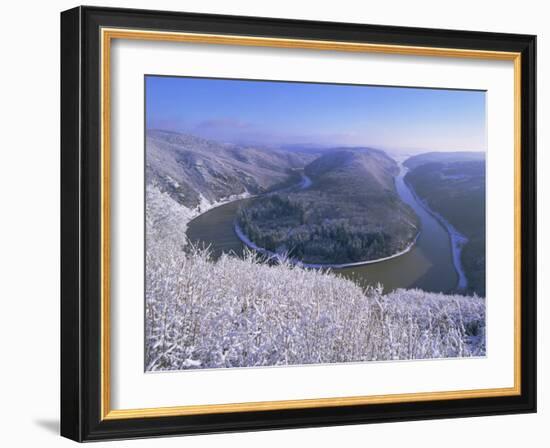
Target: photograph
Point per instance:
(300, 223)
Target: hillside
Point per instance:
(370, 169)
(350, 212)
(232, 312)
(454, 187)
(193, 170)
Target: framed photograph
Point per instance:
(274, 223)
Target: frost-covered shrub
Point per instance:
(240, 313)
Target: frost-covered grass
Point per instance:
(202, 313)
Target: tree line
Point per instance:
(279, 223)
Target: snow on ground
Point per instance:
(166, 219)
(232, 312)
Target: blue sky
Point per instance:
(278, 113)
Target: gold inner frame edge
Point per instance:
(107, 35)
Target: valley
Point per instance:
(349, 212)
(353, 210)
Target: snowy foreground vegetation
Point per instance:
(242, 313)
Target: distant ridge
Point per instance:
(191, 169)
(444, 157)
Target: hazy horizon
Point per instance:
(286, 114)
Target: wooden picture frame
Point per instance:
(86, 37)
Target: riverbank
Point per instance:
(206, 206)
(456, 238)
(273, 255)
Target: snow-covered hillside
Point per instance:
(243, 313)
(191, 169)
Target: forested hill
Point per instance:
(369, 169)
(350, 213)
(192, 170)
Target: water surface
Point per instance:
(428, 265)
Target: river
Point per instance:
(428, 265)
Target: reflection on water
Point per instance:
(428, 265)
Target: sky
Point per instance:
(274, 113)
